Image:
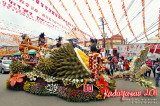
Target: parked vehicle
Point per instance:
(4, 66)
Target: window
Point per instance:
(6, 62)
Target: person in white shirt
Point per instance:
(120, 63)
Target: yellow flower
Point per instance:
(7, 83)
(99, 96)
(27, 85)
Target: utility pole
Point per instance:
(103, 31)
(104, 34)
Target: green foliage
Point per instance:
(17, 67)
(46, 66)
(27, 68)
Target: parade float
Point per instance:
(68, 73)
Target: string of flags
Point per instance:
(29, 11)
(94, 19)
(143, 16)
(71, 17)
(83, 17)
(129, 25)
(111, 7)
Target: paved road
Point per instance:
(21, 98)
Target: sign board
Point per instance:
(103, 52)
(87, 88)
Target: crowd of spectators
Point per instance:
(116, 63)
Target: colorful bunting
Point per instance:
(103, 16)
(129, 25)
(159, 25)
(82, 17)
(143, 15)
(104, 19)
(94, 19)
(38, 2)
(109, 2)
(71, 17)
(10, 39)
(22, 11)
(61, 17)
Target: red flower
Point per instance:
(16, 78)
(103, 86)
(101, 82)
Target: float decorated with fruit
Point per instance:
(68, 72)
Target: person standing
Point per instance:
(155, 65)
(157, 75)
(112, 68)
(120, 63)
(149, 64)
(126, 65)
(126, 68)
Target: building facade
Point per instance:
(110, 43)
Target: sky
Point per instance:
(14, 21)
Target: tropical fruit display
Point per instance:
(65, 64)
(83, 58)
(46, 66)
(64, 73)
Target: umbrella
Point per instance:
(19, 53)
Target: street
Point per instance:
(22, 98)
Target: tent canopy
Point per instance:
(30, 52)
(19, 53)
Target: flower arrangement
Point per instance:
(73, 95)
(37, 74)
(103, 86)
(27, 85)
(16, 82)
(17, 78)
(52, 88)
(39, 89)
(145, 82)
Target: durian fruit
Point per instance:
(82, 57)
(46, 66)
(16, 67)
(67, 64)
